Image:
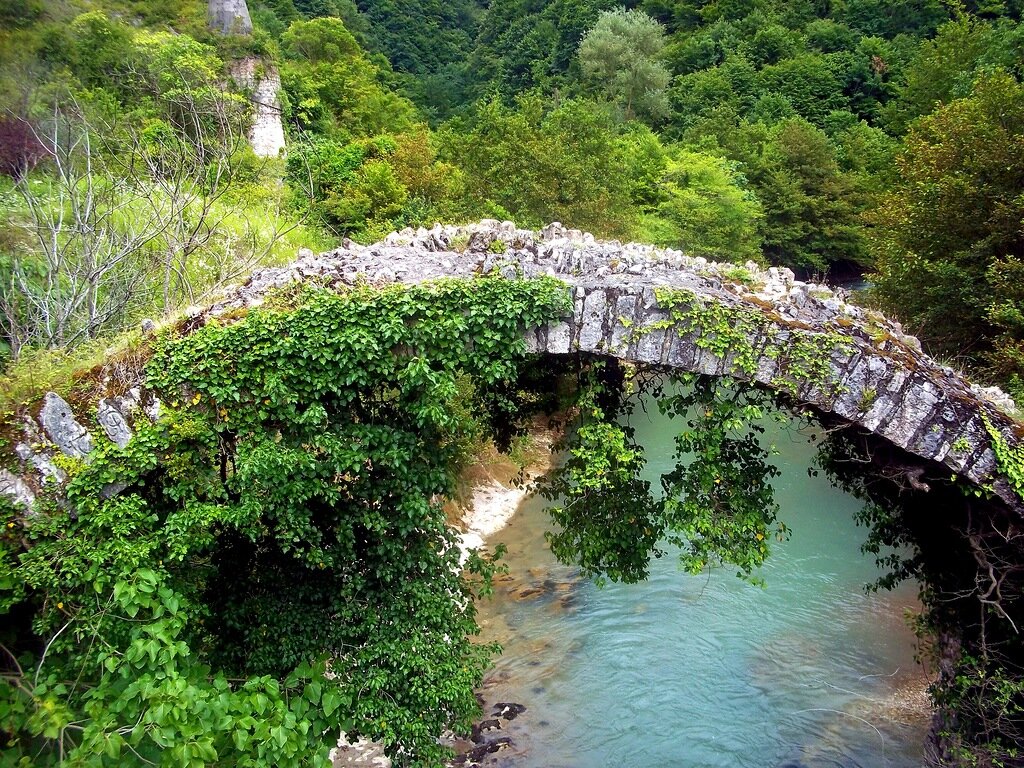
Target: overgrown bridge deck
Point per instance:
(658, 306)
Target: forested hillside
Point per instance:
(818, 136)
(840, 138)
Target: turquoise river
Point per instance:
(709, 671)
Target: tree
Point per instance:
(708, 209)
(349, 188)
(331, 86)
(808, 82)
(950, 238)
(18, 13)
(869, 77)
(730, 85)
(97, 48)
(524, 45)
(811, 207)
(717, 504)
(888, 18)
(695, 95)
(540, 166)
(621, 55)
(829, 36)
(421, 36)
(88, 243)
(942, 69)
(771, 44)
(275, 564)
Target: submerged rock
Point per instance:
(482, 728)
(508, 710)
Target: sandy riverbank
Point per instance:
(497, 488)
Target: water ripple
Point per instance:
(702, 672)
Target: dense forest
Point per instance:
(844, 139)
(836, 138)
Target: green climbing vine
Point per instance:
(803, 356)
(724, 331)
(1009, 459)
(269, 562)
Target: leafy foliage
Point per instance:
(349, 187)
(820, 136)
(269, 561)
(952, 225)
(607, 520)
(717, 504)
(620, 54)
(539, 165)
(811, 207)
(421, 37)
(708, 209)
(331, 86)
(988, 697)
(523, 45)
(145, 195)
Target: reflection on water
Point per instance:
(710, 671)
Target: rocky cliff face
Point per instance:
(229, 17)
(260, 79)
(655, 306)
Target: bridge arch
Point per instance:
(864, 373)
(657, 306)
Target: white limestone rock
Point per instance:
(229, 17)
(114, 423)
(42, 463)
(58, 422)
(16, 489)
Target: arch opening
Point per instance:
(964, 549)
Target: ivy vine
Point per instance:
(729, 333)
(269, 562)
(1009, 459)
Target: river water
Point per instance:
(709, 671)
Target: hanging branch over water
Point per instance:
(717, 505)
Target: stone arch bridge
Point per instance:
(659, 306)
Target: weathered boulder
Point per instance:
(229, 17)
(59, 424)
